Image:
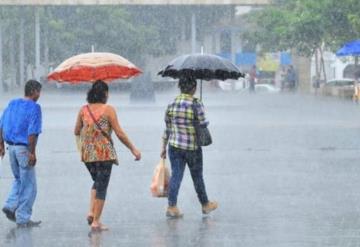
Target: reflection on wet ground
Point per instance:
(168, 233)
(19, 237)
(284, 169)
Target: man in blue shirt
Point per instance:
(20, 126)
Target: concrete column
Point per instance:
(46, 51)
(217, 41)
(234, 45)
(183, 28)
(13, 82)
(37, 41)
(193, 33)
(21, 51)
(213, 42)
(303, 68)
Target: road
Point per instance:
(284, 168)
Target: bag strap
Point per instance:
(196, 117)
(99, 127)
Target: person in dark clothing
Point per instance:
(291, 78)
(252, 74)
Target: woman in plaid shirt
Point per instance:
(180, 136)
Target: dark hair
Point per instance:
(187, 84)
(97, 93)
(32, 86)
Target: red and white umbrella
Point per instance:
(89, 67)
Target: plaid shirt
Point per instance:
(179, 119)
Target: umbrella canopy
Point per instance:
(201, 66)
(94, 66)
(350, 49)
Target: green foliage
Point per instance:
(111, 29)
(304, 25)
(353, 16)
(131, 31)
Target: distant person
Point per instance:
(253, 75)
(282, 77)
(316, 80)
(94, 125)
(20, 126)
(180, 138)
(291, 78)
(356, 96)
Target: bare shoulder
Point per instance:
(82, 109)
(110, 111)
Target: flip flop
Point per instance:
(95, 229)
(90, 219)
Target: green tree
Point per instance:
(131, 31)
(304, 26)
(76, 30)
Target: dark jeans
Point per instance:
(179, 158)
(100, 173)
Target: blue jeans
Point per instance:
(23, 192)
(178, 159)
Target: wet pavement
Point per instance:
(285, 170)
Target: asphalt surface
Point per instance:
(284, 168)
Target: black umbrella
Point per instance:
(201, 66)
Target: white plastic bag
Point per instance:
(160, 181)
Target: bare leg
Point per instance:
(92, 206)
(98, 207)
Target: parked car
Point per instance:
(340, 82)
(343, 87)
(266, 88)
(233, 85)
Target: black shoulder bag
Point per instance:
(203, 137)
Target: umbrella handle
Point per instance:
(201, 90)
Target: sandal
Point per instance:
(95, 229)
(90, 219)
